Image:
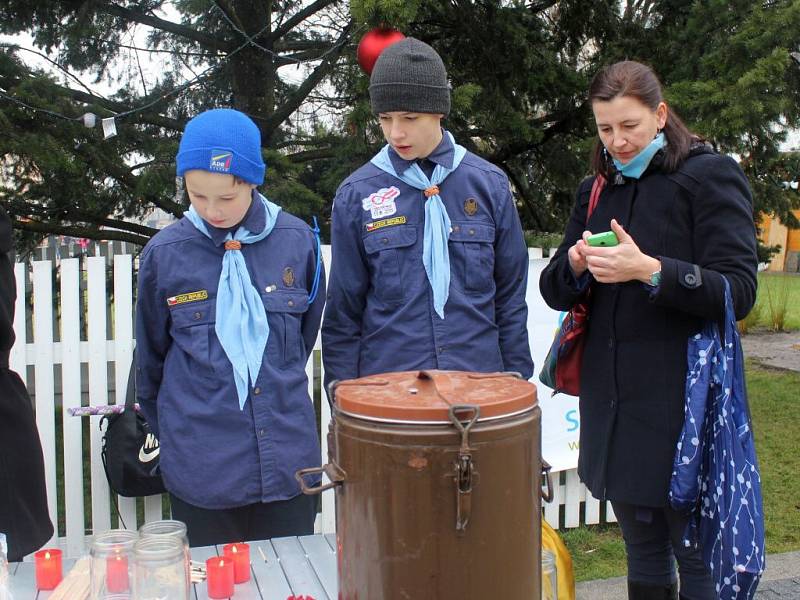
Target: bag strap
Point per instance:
(130, 393)
(597, 186)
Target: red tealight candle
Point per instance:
(117, 580)
(48, 568)
(239, 554)
(219, 577)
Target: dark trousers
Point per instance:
(654, 541)
(260, 521)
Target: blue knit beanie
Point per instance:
(222, 140)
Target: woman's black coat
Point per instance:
(698, 221)
(23, 503)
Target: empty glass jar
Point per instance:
(111, 569)
(160, 569)
(169, 528)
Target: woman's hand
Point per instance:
(577, 261)
(620, 263)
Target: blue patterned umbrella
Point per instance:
(715, 473)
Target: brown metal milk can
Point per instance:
(438, 488)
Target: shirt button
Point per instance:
(290, 303)
(457, 228)
(261, 433)
(610, 342)
(257, 391)
(441, 349)
(197, 315)
(690, 279)
(472, 232)
(384, 240)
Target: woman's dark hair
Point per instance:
(630, 78)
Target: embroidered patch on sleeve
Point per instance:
(188, 297)
(385, 223)
(381, 203)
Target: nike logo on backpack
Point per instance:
(150, 449)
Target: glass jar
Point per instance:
(160, 569)
(111, 569)
(549, 576)
(169, 528)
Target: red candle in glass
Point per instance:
(117, 580)
(239, 554)
(219, 577)
(48, 568)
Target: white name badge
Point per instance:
(381, 203)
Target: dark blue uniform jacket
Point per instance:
(214, 455)
(380, 316)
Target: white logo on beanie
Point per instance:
(221, 161)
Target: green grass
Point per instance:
(775, 407)
(776, 292)
(598, 551)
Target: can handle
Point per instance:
(332, 470)
(464, 466)
(441, 383)
(548, 480)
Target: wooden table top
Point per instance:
(295, 566)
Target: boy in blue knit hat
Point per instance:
(228, 311)
(429, 264)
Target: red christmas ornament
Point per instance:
(373, 43)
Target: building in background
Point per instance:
(775, 233)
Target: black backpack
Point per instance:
(130, 450)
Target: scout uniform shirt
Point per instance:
(380, 315)
(214, 455)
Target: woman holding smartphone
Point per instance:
(682, 218)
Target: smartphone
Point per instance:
(607, 238)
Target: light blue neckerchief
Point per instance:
(242, 327)
(637, 165)
(435, 256)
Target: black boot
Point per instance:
(638, 590)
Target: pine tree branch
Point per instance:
(164, 25)
(299, 17)
(527, 202)
(119, 224)
(291, 104)
(117, 107)
(309, 155)
(76, 231)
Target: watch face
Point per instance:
(655, 278)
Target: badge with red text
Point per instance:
(188, 297)
(381, 203)
(374, 225)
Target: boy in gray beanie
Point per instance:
(429, 263)
(227, 314)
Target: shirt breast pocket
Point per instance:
(285, 311)
(192, 325)
(386, 251)
(472, 255)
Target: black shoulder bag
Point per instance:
(130, 450)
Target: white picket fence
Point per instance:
(88, 334)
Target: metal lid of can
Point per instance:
(428, 396)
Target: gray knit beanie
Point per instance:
(409, 76)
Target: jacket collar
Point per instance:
(443, 155)
(254, 220)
